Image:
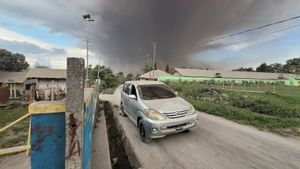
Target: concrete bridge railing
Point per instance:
(61, 132)
(62, 137)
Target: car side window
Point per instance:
(127, 88)
(133, 91)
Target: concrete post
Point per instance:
(74, 112)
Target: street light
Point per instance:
(88, 19)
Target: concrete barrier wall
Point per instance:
(62, 131)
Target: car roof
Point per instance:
(144, 82)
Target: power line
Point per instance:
(249, 30)
(260, 35)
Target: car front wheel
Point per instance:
(143, 134)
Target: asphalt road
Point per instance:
(217, 143)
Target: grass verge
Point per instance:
(17, 134)
(278, 112)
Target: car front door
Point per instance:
(134, 103)
(125, 98)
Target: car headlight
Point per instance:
(154, 115)
(191, 110)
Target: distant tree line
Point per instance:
(291, 66)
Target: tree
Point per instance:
(129, 77)
(276, 68)
(108, 78)
(249, 69)
(12, 61)
(120, 77)
(167, 68)
(263, 68)
(292, 66)
(148, 67)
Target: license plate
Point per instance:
(178, 129)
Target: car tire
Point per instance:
(122, 111)
(143, 135)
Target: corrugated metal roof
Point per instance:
(157, 73)
(46, 73)
(228, 74)
(12, 77)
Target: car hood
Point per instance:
(168, 105)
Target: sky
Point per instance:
(47, 32)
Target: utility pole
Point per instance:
(98, 75)
(148, 64)
(87, 55)
(154, 59)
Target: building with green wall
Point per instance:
(238, 77)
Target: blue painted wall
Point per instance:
(88, 130)
(48, 141)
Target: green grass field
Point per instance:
(277, 112)
(17, 134)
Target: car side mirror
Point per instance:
(131, 96)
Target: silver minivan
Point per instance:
(156, 109)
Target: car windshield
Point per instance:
(152, 92)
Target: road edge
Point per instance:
(132, 157)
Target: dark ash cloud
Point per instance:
(123, 29)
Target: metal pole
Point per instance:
(149, 67)
(154, 52)
(98, 75)
(87, 53)
(88, 19)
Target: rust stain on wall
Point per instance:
(41, 132)
(74, 143)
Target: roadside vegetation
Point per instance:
(17, 134)
(110, 90)
(273, 111)
(108, 79)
